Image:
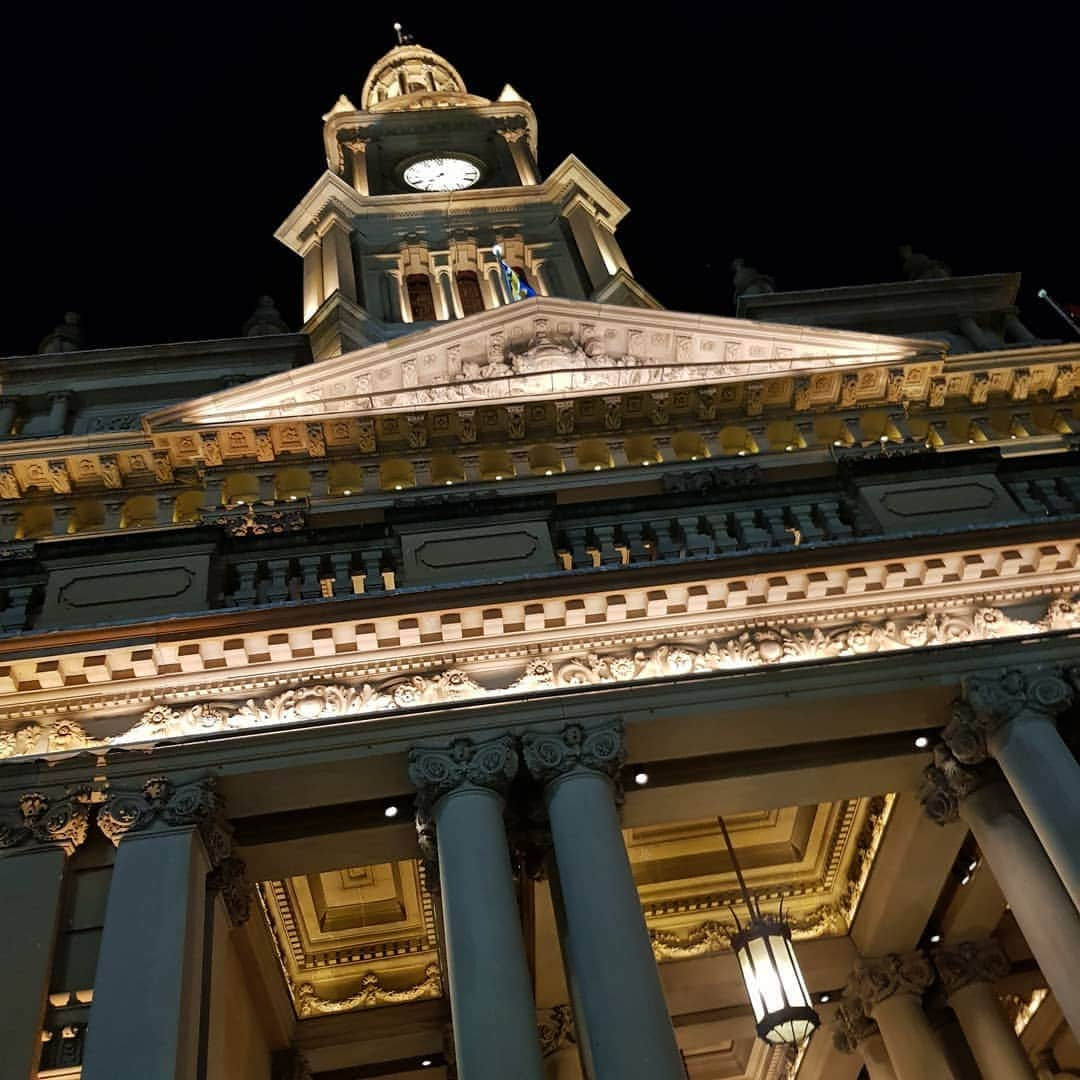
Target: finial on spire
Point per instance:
(403, 36)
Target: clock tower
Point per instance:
(422, 180)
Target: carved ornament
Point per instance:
(876, 979)
(852, 1025)
(371, 994)
(43, 820)
(549, 755)
(258, 520)
(994, 699)
(946, 783)
(742, 650)
(437, 771)
(970, 962)
(555, 1027)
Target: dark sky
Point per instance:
(151, 150)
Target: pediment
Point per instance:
(538, 350)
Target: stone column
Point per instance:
(461, 797)
(338, 271)
(36, 837)
(148, 988)
(854, 1032)
(357, 148)
(623, 1016)
(9, 407)
(517, 140)
(1038, 900)
(968, 972)
(890, 989)
(313, 278)
(1009, 716)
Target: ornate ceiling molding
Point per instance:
(832, 918)
(371, 994)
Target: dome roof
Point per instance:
(412, 77)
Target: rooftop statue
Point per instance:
(67, 337)
(920, 267)
(749, 281)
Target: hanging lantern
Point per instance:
(782, 1008)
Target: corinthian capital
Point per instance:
(852, 1025)
(877, 978)
(970, 962)
(946, 783)
(37, 818)
(600, 748)
(1000, 697)
(195, 803)
(436, 771)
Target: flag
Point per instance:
(516, 286)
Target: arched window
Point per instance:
(472, 299)
(421, 299)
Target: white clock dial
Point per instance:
(441, 174)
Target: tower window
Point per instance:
(472, 299)
(421, 299)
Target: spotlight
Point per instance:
(921, 742)
(390, 811)
(973, 866)
(935, 939)
(597, 468)
(547, 472)
(824, 998)
(347, 491)
(425, 1063)
(965, 879)
(641, 779)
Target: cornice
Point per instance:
(339, 690)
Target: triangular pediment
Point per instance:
(538, 350)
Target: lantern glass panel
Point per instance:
(768, 980)
(750, 979)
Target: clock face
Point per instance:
(441, 174)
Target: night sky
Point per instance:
(151, 151)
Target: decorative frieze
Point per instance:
(969, 962)
(40, 819)
(600, 748)
(370, 995)
(556, 668)
(437, 771)
(875, 979)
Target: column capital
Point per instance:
(438, 770)
(947, 783)
(195, 803)
(852, 1025)
(877, 978)
(970, 962)
(597, 748)
(993, 699)
(38, 818)
(555, 1027)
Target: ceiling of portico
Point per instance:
(365, 937)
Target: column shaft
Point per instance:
(144, 1020)
(876, 1058)
(490, 992)
(313, 280)
(30, 891)
(626, 1019)
(914, 1049)
(997, 1050)
(1046, 779)
(1042, 908)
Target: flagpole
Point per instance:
(1044, 295)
